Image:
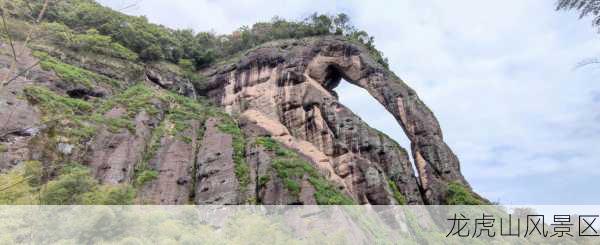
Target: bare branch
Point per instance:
(14, 64)
(4, 188)
(20, 73)
(587, 62)
(129, 6)
(10, 40)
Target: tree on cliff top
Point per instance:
(585, 8)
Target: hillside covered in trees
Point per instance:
(107, 108)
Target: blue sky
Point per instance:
(499, 75)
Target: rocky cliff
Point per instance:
(262, 127)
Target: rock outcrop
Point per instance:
(283, 137)
(287, 88)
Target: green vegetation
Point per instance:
(72, 74)
(397, 194)
(458, 194)
(3, 148)
(263, 180)
(179, 112)
(73, 184)
(291, 169)
(74, 181)
(90, 41)
(143, 173)
(134, 100)
(101, 28)
(65, 114)
(242, 170)
(144, 176)
(114, 124)
(78, 120)
(53, 103)
(19, 185)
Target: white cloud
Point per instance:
(498, 75)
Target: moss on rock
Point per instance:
(291, 168)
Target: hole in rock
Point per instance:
(333, 78)
(372, 112)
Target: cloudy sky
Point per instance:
(499, 75)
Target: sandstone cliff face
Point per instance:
(286, 87)
(274, 134)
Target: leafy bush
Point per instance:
(397, 194)
(75, 185)
(145, 176)
(291, 169)
(69, 187)
(155, 42)
(72, 74)
(19, 185)
(62, 114)
(263, 180)
(53, 103)
(458, 194)
(242, 170)
(110, 195)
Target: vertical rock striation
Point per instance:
(286, 87)
(284, 137)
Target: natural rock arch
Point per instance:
(289, 86)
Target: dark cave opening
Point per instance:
(333, 77)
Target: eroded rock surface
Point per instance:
(281, 91)
(217, 182)
(291, 82)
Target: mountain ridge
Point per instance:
(261, 126)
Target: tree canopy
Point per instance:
(585, 8)
(152, 42)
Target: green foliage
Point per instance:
(291, 169)
(69, 188)
(458, 194)
(268, 143)
(292, 186)
(79, 120)
(54, 103)
(263, 180)
(397, 194)
(110, 195)
(66, 116)
(327, 194)
(143, 173)
(72, 74)
(189, 71)
(33, 172)
(20, 184)
(182, 110)
(242, 170)
(17, 29)
(585, 8)
(153, 42)
(179, 112)
(95, 42)
(75, 185)
(114, 125)
(145, 176)
(134, 99)
(89, 41)
(152, 53)
(3, 148)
